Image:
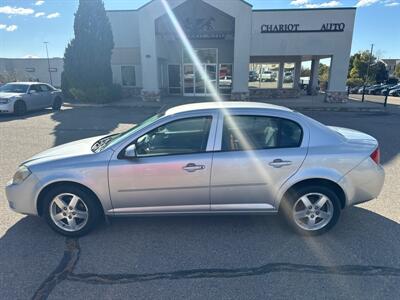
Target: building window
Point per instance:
(288, 75)
(206, 56)
(174, 79)
(128, 76)
(264, 75)
(225, 79)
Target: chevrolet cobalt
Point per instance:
(205, 158)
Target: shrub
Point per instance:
(103, 94)
(352, 82)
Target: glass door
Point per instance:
(188, 80)
(200, 88)
(211, 70)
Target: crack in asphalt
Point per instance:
(347, 270)
(64, 271)
(65, 267)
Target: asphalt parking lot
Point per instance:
(229, 257)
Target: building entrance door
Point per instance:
(193, 83)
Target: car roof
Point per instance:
(27, 82)
(223, 105)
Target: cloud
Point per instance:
(53, 15)
(8, 28)
(363, 3)
(391, 3)
(309, 4)
(39, 14)
(30, 56)
(38, 3)
(298, 2)
(324, 4)
(8, 10)
(11, 28)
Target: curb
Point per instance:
(159, 105)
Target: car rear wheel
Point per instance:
(312, 210)
(20, 108)
(71, 211)
(57, 103)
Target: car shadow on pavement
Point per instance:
(83, 122)
(36, 261)
(28, 115)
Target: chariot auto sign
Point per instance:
(293, 28)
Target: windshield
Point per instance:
(110, 140)
(14, 88)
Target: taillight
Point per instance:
(376, 156)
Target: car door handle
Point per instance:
(191, 167)
(278, 163)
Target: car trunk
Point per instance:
(356, 137)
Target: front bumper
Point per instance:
(7, 107)
(22, 197)
(363, 183)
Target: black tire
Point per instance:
(286, 209)
(20, 108)
(57, 103)
(94, 210)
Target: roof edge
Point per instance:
(307, 9)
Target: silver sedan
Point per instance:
(20, 97)
(207, 158)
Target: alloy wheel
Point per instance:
(313, 211)
(69, 212)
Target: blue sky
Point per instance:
(26, 24)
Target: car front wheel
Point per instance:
(312, 210)
(57, 103)
(20, 108)
(71, 211)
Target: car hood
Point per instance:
(9, 95)
(77, 148)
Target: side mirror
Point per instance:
(130, 152)
(31, 92)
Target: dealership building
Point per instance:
(246, 52)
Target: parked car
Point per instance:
(371, 88)
(355, 90)
(253, 76)
(268, 76)
(389, 88)
(377, 90)
(395, 92)
(225, 81)
(204, 158)
(20, 97)
(288, 77)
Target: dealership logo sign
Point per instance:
(288, 28)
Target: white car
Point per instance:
(20, 97)
(205, 158)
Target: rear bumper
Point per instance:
(363, 183)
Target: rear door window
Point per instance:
(249, 132)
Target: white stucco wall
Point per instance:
(27, 69)
(137, 44)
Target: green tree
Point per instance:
(323, 72)
(379, 72)
(305, 72)
(397, 71)
(87, 58)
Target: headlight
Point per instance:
(4, 100)
(21, 174)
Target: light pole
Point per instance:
(48, 63)
(366, 77)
